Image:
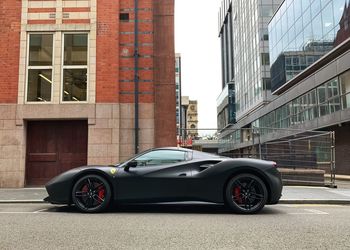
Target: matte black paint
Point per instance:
(202, 178)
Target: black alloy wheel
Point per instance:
(246, 194)
(91, 194)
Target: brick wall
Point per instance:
(164, 73)
(10, 23)
(107, 52)
(145, 52)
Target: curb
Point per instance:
(316, 202)
(290, 202)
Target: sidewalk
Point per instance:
(290, 195)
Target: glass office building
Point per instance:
(245, 55)
(226, 111)
(251, 53)
(301, 32)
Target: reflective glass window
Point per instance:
(306, 17)
(332, 88)
(299, 25)
(75, 67)
(334, 104)
(305, 4)
(266, 10)
(297, 8)
(327, 18)
(317, 27)
(39, 85)
(322, 100)
(74, 84)
(308, 35)
(338, 7)
(39, 74)
(265, 60)
(345, 89)
(321, 94)
(40, 49)
(75, 49)
(324, 3)
(315, 7)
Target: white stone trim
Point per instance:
(58, 29)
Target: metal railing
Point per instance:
(303, 157)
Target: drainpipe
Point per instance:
(136, 77)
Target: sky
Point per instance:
(196, 39)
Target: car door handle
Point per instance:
(183, 174)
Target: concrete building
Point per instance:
(192, 119)
(189, 127)
(243, 30)
(310, 72)
(83, 82)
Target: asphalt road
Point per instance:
(41, 226)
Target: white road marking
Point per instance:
(40, 211)
(310, 212)
(24, 212)
(16, 212)
(310, 205)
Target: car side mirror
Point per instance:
(131, 164)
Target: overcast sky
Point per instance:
(196, 39)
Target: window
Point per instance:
(266, 83)
(265, 60)
(39, 75)
(124, 17)
(345, 89)
(75, 67)
(158, 157)
(322, 97)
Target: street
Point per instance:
(185, 226)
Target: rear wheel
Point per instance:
(91, 194)
(246, 194)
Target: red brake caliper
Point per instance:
(101, 193)
(237, 194)
(84, 189)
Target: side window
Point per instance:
(159, 157)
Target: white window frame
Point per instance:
(39, 67)
(63, 67)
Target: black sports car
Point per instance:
(170, 174)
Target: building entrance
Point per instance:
(54, 147)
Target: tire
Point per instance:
(91, 194)
(246, 194)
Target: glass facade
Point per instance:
(250, 48)
(226, 100)
(301, 32)
(226, 106)
(327, 98)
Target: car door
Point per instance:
(159, 175)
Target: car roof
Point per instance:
(173, 148)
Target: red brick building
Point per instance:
(83, 82)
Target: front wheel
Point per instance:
(91, 194)
(246, 194)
